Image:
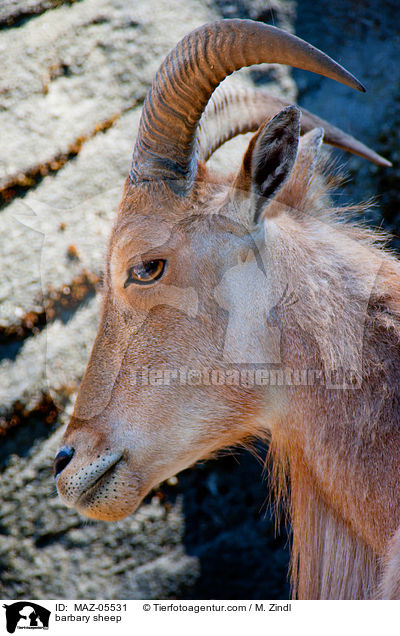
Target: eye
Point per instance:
(145, 273)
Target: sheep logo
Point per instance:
(26, 615)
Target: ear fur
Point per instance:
(269, 158)
(305, 179)
(307, 156)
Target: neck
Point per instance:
(340, 447)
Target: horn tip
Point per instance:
(355, 83)
(385, 163)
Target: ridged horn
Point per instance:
(233, 111)
(165, 146)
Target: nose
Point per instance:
(62, 459)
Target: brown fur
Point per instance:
(338, 447)
(341, 449)
(257, 269)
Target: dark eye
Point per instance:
(145, 273)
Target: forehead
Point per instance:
(143, 233)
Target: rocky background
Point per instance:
(73, 79)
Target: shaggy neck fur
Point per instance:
(338, 447)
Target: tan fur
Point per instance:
(338, 447)
(262, 278)
(342, 452)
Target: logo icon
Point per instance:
(26, 615)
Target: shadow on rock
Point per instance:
(230, 529)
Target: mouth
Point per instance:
(105, 489)
(77, 488)
(102, 485)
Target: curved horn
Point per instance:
(165, 147)
(234, 111)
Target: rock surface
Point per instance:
(71, 91)
(365, 38)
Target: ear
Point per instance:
(269, 159)
(275, 152)
(307, 156)
(300, 191)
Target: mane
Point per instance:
(347, 317)
(343, 267)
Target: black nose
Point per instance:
(62, 459)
